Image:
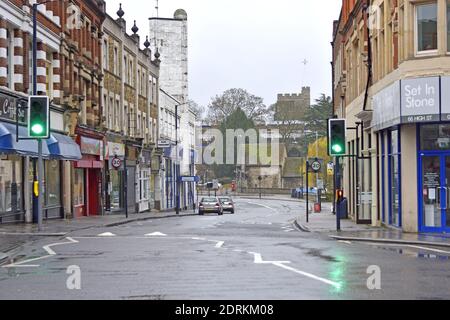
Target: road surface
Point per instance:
(255, 254)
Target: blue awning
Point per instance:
(63, 147)
(57, 146)
(9, 144)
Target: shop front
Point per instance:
(114, 177)
(411, 121)
(131, 179)
(87, 192)
(144, 174)
(18, 165)
(155, 180)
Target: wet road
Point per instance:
(255, 254)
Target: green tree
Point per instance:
(237, 120)
(316, 117)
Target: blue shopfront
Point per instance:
(412, 122)
(434, 177)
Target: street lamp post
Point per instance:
(177, 168)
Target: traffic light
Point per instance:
(339, 195)
(336, 137)
(38, 117)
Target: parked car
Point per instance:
(210, 205)
(227, 204)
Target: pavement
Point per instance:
(256, 253)
(14, 236)
(325, 223)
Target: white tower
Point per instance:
(170, 44)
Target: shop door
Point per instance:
(435, 198)
(131, 189)
(93, 192)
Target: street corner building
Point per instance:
(391, 82)
(18, 158)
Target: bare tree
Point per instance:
(222, 106)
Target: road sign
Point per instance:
(190, 179)
(330, 168)
(116, 163)
(320, 184)
(316, 166)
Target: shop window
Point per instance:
(52, 183)
(435, 137)
(116, 190)
(78, 187)
(11, 184)
(394, 178)
(426, 27)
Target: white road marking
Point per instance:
(220, 244)
(259, 260)
(282, 264)
(346, 242)
(156, 234)
(47, 248)
(199, 239)
(106, 234)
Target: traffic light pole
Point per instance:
(307, 191)
(40, 175)
(337, 185)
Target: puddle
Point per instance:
(416, 254)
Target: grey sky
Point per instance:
(258, 45)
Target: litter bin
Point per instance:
(342, 209)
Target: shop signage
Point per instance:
(420, 100)
(155, 164)
(164, 144)
(116, 149)
(386, 107)
(445, 89)
(9, 105)
(431, 179)
(90, 146)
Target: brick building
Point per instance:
(130, 116)
(18, 161)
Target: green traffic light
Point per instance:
(337, 148)
(37, 129)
